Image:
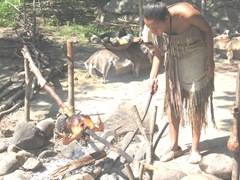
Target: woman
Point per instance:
(183, 36)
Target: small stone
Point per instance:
(32, 164)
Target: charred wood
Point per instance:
(10, 91)
(6, 84)
(84, 161)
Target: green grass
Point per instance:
(71, 31)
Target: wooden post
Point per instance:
(70, 76)
(34, 22)
(149, 151)
(28, 89)
(236, 133)
(141, 17)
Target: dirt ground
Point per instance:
(92, 97)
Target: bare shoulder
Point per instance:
(183, 9)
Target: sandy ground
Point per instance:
(92, 97)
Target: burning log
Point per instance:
(84, 161)
(91, 175)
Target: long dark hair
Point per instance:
(156, 10)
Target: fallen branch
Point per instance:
(13, 108)
(6, 104)
(84, 161)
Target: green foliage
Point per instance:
(8, 13)
(71, 31)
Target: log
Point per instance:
(84, 161)
(6, 84)
(10, 91)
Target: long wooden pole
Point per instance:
(233, 143)
(70, 76)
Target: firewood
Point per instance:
(84, 161)
(86, 176)
(10, 91)
(6, 84)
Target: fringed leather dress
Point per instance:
(187, 85)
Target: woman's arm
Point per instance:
(153, 82)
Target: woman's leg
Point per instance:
(174, 129)
(196, 130)
(195, 156)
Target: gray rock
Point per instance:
(28, 137)
(200, 177)
(165, 174)
(47, 126)
(120, 7)
(8, 165)
(61, 122)
(32, 164)
(72, 151)
(47, 153)
(219, 165)
(3, 146)
(18, 175)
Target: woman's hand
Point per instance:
(210, 67)
(153, 85)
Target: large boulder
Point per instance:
(46, 126)
(28, 137)
(219, 165)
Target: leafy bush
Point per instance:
(8, 13)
